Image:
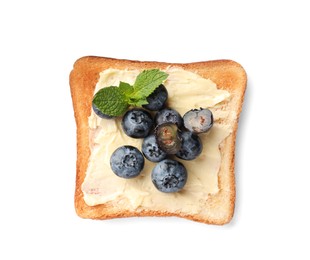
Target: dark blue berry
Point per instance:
(168, 137)
(191, 146)
(169, 176)
(157, 99)
(151, 150)
(127, 162)
(137, 123)
(198, 120)
(168, 115)
(99, 113)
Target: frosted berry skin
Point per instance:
(127, 162)
(99, 113)
(168, 115)
(151, 149)
(168, 138)
(198, 120)
(191, 146)
(137, 123)
(169, 176)
(157, 99)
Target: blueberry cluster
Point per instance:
(167, 136)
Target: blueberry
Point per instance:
(198, 120)
(157, 99)
(191, 146)
(151, 150)
(127, 162)
(137, 123)
(99, 113)
(169, 176)
(168, 115)
(168, 137)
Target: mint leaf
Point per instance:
(125, 88)
(114, 101)
(138, 102)
(146, 82)
(111, 101)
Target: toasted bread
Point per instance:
(228, 75)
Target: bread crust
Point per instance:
(227, 74)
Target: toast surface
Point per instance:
(228, 75)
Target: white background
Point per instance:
(40, 40)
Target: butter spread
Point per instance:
(186, 91)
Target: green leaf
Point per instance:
(138, 102)
(114, 101)
(125, 88)
(111, 101)
(146, 82)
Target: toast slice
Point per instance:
(228, 75)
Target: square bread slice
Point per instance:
(218, 207)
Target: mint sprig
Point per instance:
(114, 101)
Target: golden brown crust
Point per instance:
(227, 74)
